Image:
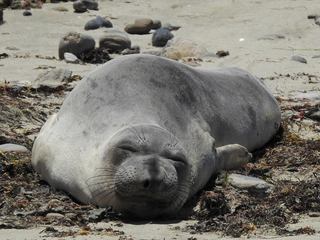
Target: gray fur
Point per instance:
(144, 133)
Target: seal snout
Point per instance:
(150, 178)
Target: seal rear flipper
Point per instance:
(232, 156)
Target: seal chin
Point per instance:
(150, 172)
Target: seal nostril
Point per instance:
(146, 183)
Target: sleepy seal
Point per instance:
(143, 133)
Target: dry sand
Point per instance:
(242, 27)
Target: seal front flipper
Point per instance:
(232, 156)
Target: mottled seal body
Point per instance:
(144, 133)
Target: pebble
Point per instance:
(52, 79)
(54, 215)
(317, 20)
(140, 26)
(27, 13)
(91, 4)
(156, 24)
(161, 36)
(252, 184)
(171, 27)
(222, 53)
(70, 58)
(9, 147)
(76, 44)
(298, 58)
(114, 41)
(98, 22)
(79, 7)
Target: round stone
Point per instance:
(97, 23)
(161, 36)
(79, 7)
(140, 26)
(26, 13)
(76, 44)
(114, 41)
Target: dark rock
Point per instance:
(27, 13)
(114, 41)
(92, 25)
(97, 23)
(298, 58)
(104, 22)
(79, 7)
(161, 36)
(156, 24)
(313, 16)
(317, 20)
(90, 4)
(140, 26)
(222, 53)
(76, 44)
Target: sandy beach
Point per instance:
(261, 37)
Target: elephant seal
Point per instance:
(143, 133)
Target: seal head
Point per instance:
(143, 171)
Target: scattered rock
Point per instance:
(222, 53)
(27, 13)
(313, 16)
(314, 214)
(9, 147)
(161, 36)
(298, 58)
(79, 7)
(171, 27)
(4, 55)
(140, 26)
(71, 58)
(98, 22)
(180, 48)
(317, 20)
(76, 44)
(54, 216)
(156, 24)
(90, 4)
(52, 79)
(252, 184)
(114, 41)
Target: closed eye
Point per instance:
(174, 157)
(128, 148)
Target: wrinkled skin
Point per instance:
(143, 134)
